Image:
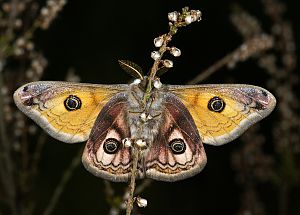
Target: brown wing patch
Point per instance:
(177, 151)
(105, 161)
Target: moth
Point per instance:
(173, 122)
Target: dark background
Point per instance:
(90, 36)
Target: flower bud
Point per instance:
(196, 15)
(175, 52)
(188, 19)
(142, 203)
(158, 41)
(173, 16)
(127, 142)
(168, 63)
(155, 55)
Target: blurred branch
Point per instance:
(280, 168)
(37, 154)
(20, 62)
(252, 47)
(140, 188)
(286, 130)
(68, 173)
(7, 175)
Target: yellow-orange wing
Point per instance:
(67, 111)
(224, 112)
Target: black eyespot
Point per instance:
(72, 103)
(111, 146)
(216, 104)
(177, 146)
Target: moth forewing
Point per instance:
(65, 110)
(223, 112)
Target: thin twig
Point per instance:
(146, 183)
(252, 47)
(37, 154)
(62, 184)
(110, 198)
(212, 69)
(130, 201)
(109, 191)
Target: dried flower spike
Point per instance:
(49, 12)
(20, 42)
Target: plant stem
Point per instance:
(154, 69)
(130, 200)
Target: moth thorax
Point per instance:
(144, 120)
(143, 132)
